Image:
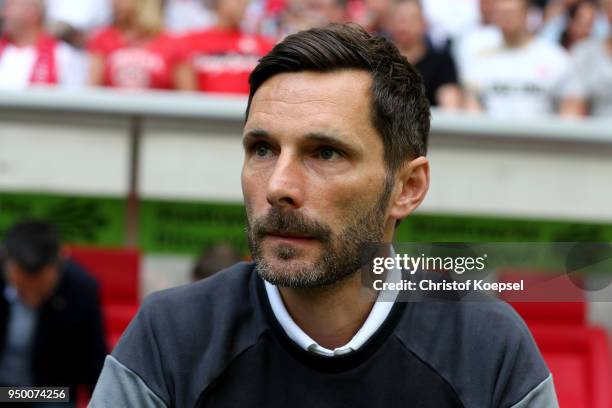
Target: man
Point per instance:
(74, 20)
(407, 29)
(557, 18)
(335, 142)
(374, 16)
(29, 56)
(588, 90)
(50, 322)
(224, 56)
(522, 78)
(304, 14)
(481, 37)
(1, 16)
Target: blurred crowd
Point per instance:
(508, 58)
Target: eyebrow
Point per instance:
(333, 141)
(320, 137)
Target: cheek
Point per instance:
(253, 188)
(348, 198)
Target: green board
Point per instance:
(180, 227)
(173, 227)
(458, 228)
(80, 220)
(186, 228)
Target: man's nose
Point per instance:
(285, 185)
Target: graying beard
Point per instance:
(328, 269)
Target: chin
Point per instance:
(275, 268)
(282, 262)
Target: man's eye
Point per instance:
(261, 150)
(327, 153)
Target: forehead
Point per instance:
(311, 101)
(408, 7)
(511, 4)
(24, 3)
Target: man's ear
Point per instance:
(411, 185)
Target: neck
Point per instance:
(332, 315)
(136, 37)
(517, 39)
(414, 53)
(26, 37)
(226, 24)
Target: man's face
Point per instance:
(511, 16)
(313, 177)
(19, 14)
(33, 289)
(407, 25)
(331, 9)
(606, 6)
(486, 11)
(378, 7)
(123, 10)
(581, 25)
(232, 10)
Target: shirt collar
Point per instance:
(381, 309)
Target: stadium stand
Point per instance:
(578, 357)
(117, 271)
(577, 354)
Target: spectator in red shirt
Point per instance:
(224, 56)
(135, 52)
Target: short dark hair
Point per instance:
(32, 244)
(400, 110)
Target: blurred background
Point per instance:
(120, 152)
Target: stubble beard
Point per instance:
(342, 254)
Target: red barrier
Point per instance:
(117, 270)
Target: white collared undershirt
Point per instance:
(379, 313)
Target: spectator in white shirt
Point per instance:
(484, 36)
(580, 19)
(521, 78)
(588, 89)
(556, 20)
(28, 55)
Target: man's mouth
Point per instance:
(292, 237)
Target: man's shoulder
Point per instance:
(74, 275)
(493, 323)
(223, 287)
(187, 335)
(545, 50)
(219, 301)
(477, 346)
(588, 48)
